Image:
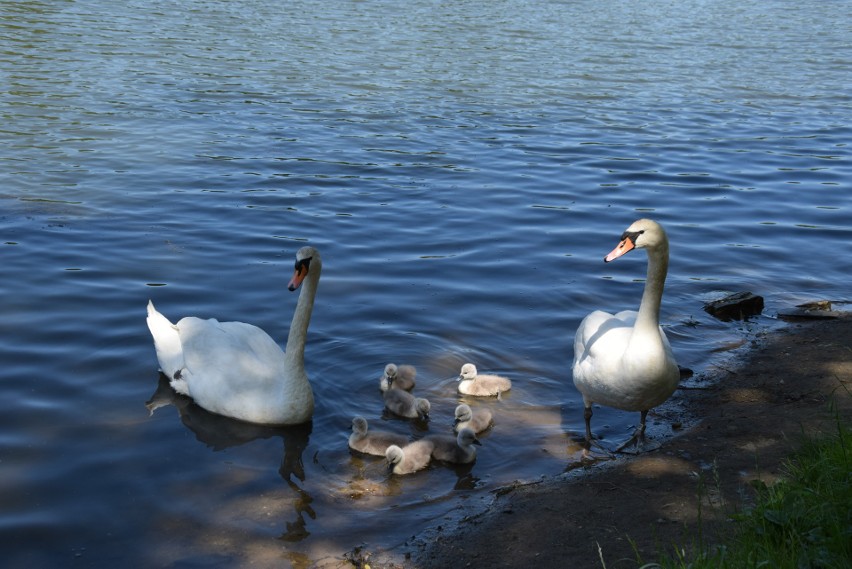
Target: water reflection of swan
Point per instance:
(625, 360)
(237, 370)
(220, 432)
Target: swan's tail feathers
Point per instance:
(167, 343)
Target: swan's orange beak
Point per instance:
(623, 247)
(298, 276)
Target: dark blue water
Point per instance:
(462, 166)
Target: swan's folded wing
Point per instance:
(599, 333)
(600, 341)
(242, 355)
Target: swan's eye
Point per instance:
(303, 264)
(632, 236)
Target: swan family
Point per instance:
(621, 360)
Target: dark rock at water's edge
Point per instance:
(738, 306)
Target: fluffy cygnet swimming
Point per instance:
(372, 442)
(404, 404)
(410, 458)
(401, 377)
(482, 385)
(477, 420)
(458, 449)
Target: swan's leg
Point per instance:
(587, 415)
(587, 449)
(638, 435)
(642, 424)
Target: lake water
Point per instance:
(463, 168)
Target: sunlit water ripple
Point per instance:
(462, 167)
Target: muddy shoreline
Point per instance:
(751, 417)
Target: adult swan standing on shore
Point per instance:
(625, 360)
(236, 369)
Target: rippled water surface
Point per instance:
(462, 166)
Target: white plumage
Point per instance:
(237, 369)
(625, 360)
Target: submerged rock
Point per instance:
(815, 305)
(738, 306)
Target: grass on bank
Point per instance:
(803, 521)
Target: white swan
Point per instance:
(459, 449)
(482, 385)
(401, 377)
(404, 404)
(625, 360)
(236, 369)
(410, 458)
(477, 420)
(372, 442)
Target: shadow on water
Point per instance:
(219, 433)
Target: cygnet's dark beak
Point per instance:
(476, 442)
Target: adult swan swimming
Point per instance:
(625, 360)
(236, 369)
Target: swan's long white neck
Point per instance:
(648, 320)
(295, 350)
